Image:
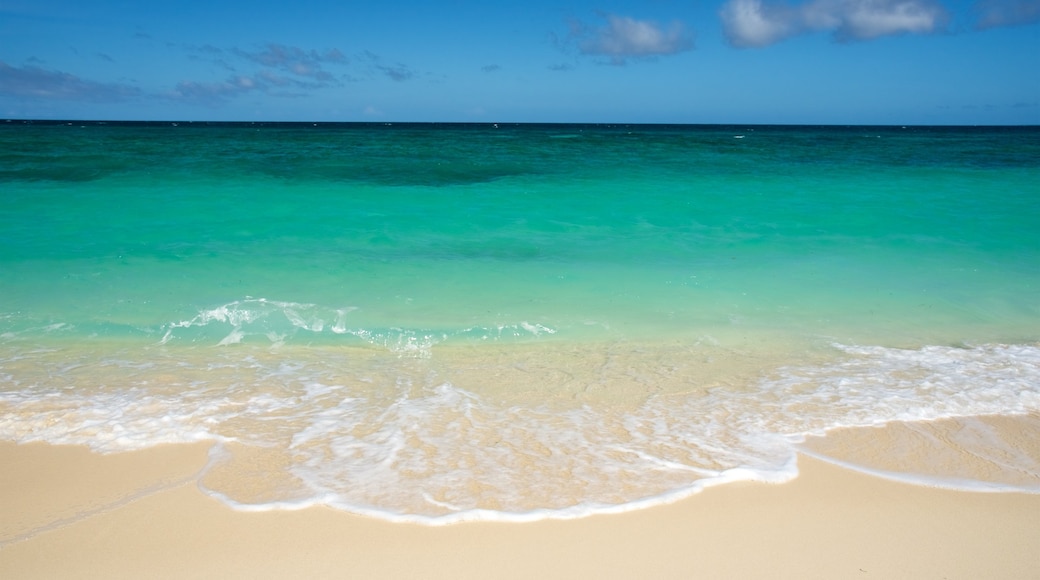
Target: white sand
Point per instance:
(68, 513)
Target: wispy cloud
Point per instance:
(994, 13)
(490, 68)
(274, 69)
(397, 72)
(209, 49)
(264, 81)
(296, 61)
(623, 38)
(35, 82)
(213, 93)
(755, 23)
(211, 54)
(279, 70)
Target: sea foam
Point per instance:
(396, 439)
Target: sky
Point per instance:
(895, 62)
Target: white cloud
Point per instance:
(750, 23)
(624, 37)
(866, 19)
(753, 23)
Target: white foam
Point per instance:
(536, 329)
(457, 515)
(260, 312)
(340, 326)
(234, 337)
(394, 439)
(280, 321)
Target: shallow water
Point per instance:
(433, 323)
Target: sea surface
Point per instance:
(437, 322)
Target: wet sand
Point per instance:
(69, 513)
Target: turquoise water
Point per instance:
(475, 321)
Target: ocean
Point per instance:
(444, 322)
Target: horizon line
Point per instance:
(178, 122)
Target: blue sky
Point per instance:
(655, 61)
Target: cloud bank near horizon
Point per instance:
(274, 69)
(36, 82)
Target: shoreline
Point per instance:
(71, 513)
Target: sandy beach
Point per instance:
(69, 513)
